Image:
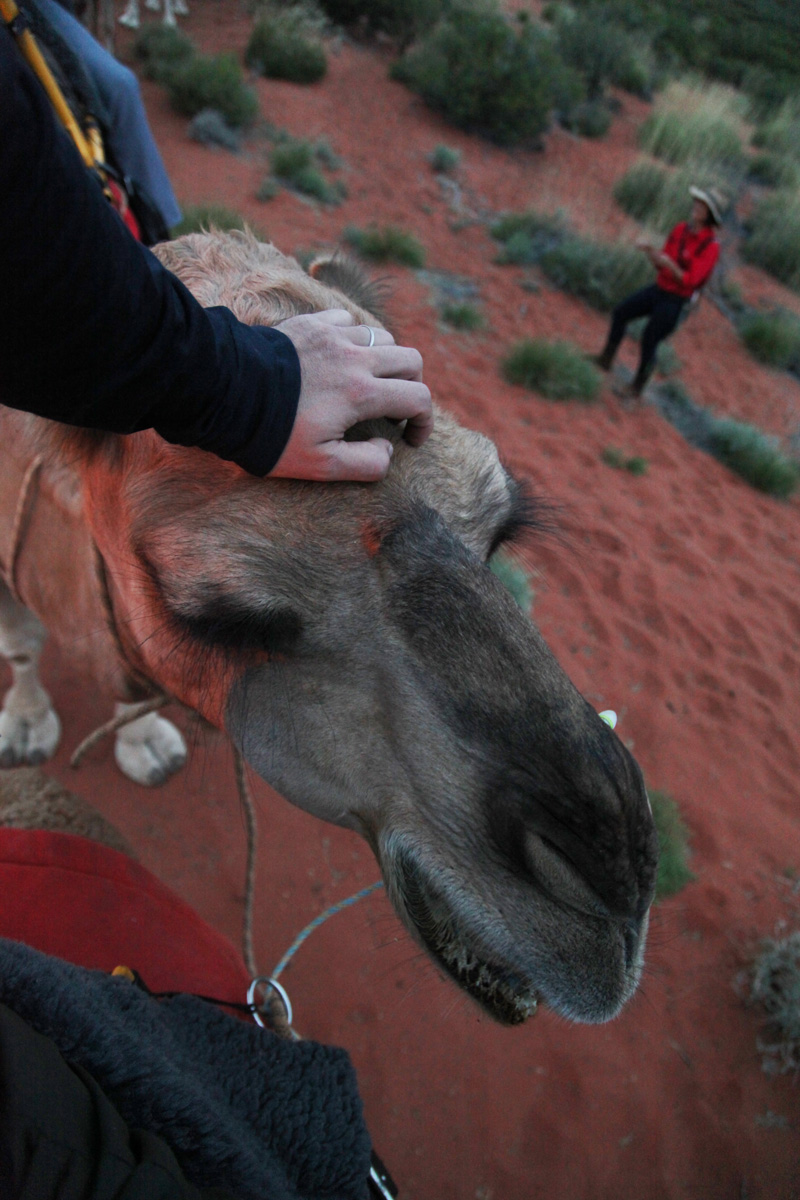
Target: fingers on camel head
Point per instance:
(263, 286)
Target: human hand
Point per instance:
(344, 381)
(643, 243)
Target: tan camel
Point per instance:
(353, 643)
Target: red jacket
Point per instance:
(695, 253)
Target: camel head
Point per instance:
(357, 648)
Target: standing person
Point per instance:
(117, 104)
(684, 266)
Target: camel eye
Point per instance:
(220, 619)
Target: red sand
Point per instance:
(676, 600)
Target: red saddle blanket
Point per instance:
(95, 907)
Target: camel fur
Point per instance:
(354, 644)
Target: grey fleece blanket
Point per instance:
(265, 1118)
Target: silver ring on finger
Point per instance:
(371, 333)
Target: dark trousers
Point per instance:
(663, 309)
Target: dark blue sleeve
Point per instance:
(95, 332)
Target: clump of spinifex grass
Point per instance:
(213, 81)
(601, 273)
(514, 577)
(774, 170)
(444, 158)
(775, 987)
(197, 218)
(162, 50)
(464, 316)
(749, 452)
(659, 197)
(283, 45)
(780, 132)
(635, 464)
(554, 369)
(696, 122)
(773, 237)
(773, 338)
(387, 244)
(526, 236)
(673, 842)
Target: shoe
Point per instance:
(604, 361)
(629, 396)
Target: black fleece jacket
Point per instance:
(95, 332)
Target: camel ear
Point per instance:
(347, 276)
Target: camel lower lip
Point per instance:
(503, 991)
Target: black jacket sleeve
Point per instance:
(62, 1139)
(95, 332)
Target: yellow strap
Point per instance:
(124, 973)
(33, 55)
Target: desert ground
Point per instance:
(673, 597)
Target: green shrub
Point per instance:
(600, 273)
(601, 51)
(640, 189)
(491, 75)
(634, 463)
(744, 449)
(659, 197)
(773, 170)
(268, 189)
(404, 20)
(327, 156)
(293, 162)
(514, 577)
(280, 48)
(213, 82)
(667, 360)
(199, 217)
(755, 456)
(729, 292)
(554, 369)
(462, 316)
(637, 72)
(775, 985)
(526, 236)
(591, 119)
(388, 244)
(780, 133)
(773, 338)
(445, 158)
(673, 841)
(162, 50)
(773, 239)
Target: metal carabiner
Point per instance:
(255, 1009)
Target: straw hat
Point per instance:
(713, 200)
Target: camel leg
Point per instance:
(29, 728)
(150, 749)
(169, 13)
(130, 17)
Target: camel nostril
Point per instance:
(630, 937)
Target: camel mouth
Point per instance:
(503, 991)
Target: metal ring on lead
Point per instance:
(277, 987)
(371, 333)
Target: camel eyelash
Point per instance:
(528, 513)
